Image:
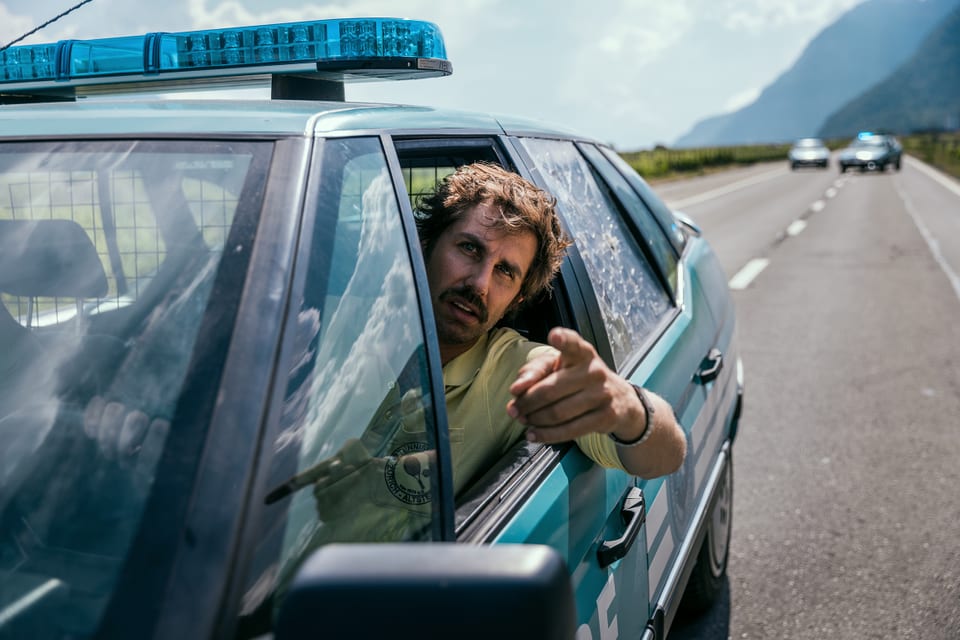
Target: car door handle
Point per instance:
(634, 514)
(711, 366)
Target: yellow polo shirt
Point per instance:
(477, 389)
(389, 466)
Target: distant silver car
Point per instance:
(809, 152)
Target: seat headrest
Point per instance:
(49, 258)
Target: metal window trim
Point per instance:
(443, 500)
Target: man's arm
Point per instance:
(569, 394)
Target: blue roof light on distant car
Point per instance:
(344, 49)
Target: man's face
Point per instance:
(475, 274)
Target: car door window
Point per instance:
(632, 300)
(658, 207)
(658, 246)
(354, 458)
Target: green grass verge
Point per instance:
(662, 163)
(942, 150)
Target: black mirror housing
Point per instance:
(430, 590)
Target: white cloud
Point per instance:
(641, 30)
(757, 16)
(13, 25)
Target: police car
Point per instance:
(205, 301)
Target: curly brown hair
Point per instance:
(523, 207)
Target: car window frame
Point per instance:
(444, 498)
(307, 216)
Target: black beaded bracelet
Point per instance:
(648, 409)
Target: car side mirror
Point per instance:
(688, 222)
(410, 591)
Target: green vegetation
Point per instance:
(940, 149)
(662, 163)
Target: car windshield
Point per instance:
(872, 142)
(108, 252)
(809, 143)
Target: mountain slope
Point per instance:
(924, 93)
(861, 48)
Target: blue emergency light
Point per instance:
(340, 50)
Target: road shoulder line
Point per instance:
(730, 188)
(748, 273)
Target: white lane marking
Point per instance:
(931, 241)
(950, 184)
(796, 227)
(733, 186)
(817, 206)
(830, 193)
(749, 271)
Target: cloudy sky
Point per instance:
(633, 73)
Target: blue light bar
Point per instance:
(344, 49)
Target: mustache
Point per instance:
(470, 296)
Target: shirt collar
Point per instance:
(464, 368)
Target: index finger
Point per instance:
(533, 372)
(574, 350)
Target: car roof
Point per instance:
(257, 117)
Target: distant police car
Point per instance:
(871, 152)
(206, 302)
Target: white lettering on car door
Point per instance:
(607, 621)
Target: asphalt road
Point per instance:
(847, 464)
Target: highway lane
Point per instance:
(845, 508)
(751, 210)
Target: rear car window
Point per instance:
(108, 253)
